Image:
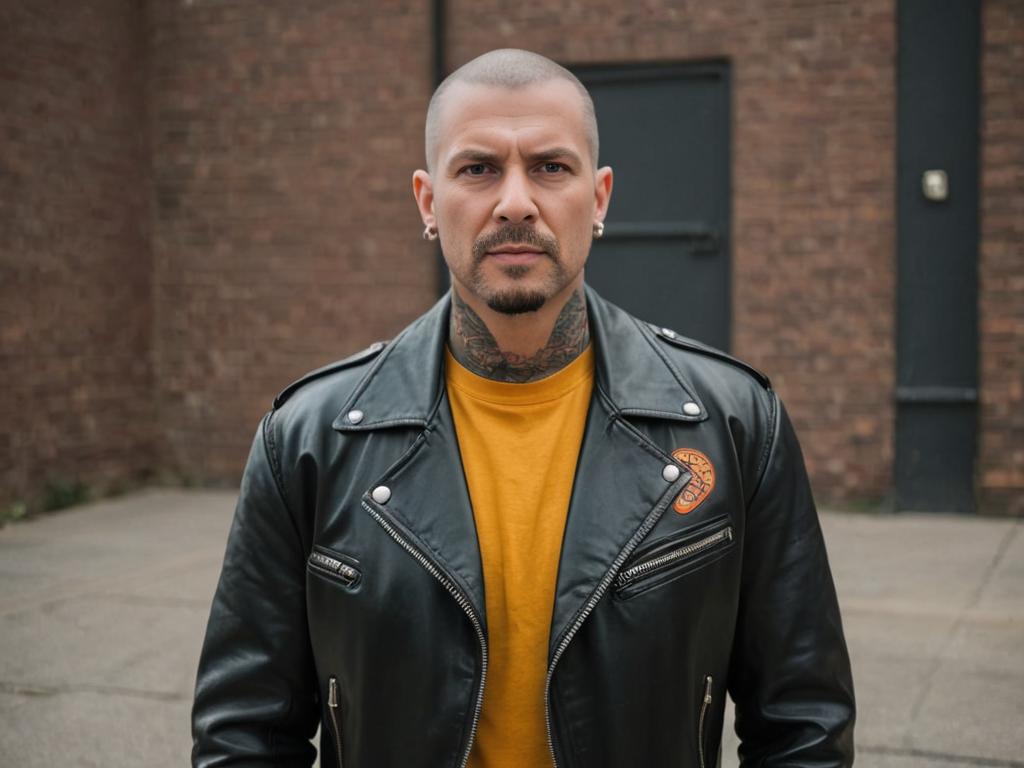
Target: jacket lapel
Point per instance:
(429, 501)
(620, 489)
(619, 493)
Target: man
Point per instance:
(531, 530)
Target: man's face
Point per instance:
(513, 194)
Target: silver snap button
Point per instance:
(381, 494)
(691, 409)
(376, 346)
(670, 473)
(354, 417)
(668, 332)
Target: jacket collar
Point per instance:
(405, 383)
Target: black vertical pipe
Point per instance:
(440, 73)
(938, 74)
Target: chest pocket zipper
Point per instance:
(333, 566)
(677, 556)
(332, 707)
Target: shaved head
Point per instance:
(513, 69)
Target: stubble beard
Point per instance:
(516, 300)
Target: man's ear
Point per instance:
(423, 191)
(602, 192)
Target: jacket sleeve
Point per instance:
(256, 694)
(790, 671)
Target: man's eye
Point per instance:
(477, 169)
(553, 167)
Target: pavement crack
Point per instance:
(33, 689)
(145, 600)
(165, 601)
(990, 571)
(958, 623)
(73, 588)
(986, 762)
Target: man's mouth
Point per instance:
(515, 245)
(516, 254)
(515, 249)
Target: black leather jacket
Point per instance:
(363, 611)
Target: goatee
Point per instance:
(514, 301)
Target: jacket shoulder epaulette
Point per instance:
(670, 336)
(367, 354)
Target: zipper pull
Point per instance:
(332, 692)
(707, 689)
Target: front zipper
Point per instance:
(645, 567)
(332, 706)
(700, 721)
(588, 608)
(463, 602)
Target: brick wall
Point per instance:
(285, 233)
(74, 255)
(1001, 274)
(201, 201)
(813, 175)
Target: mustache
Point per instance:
(514, 234)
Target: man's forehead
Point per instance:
(551, 106)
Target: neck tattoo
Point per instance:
(474, 347)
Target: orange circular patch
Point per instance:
(700, 485)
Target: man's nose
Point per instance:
(516, 203)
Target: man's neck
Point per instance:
(474, 345)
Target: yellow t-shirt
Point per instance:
(519, 445)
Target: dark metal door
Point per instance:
(937, 312)
(665, 253)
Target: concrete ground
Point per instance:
(102, 610)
